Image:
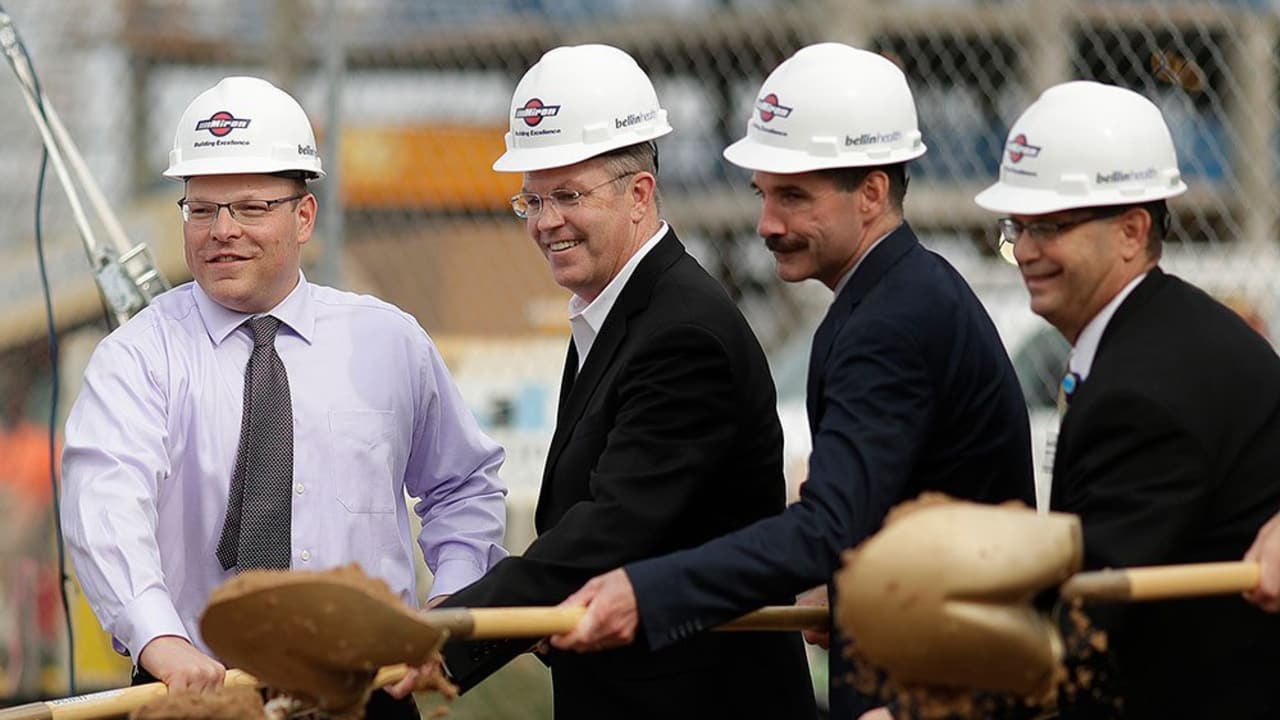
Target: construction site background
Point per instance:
(411, 98)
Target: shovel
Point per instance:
(328, 637)
(321, 635)
(943, 594)
(122, 701)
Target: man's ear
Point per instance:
(642, 187)
(1135, 229)
(873, 193)
(307, 209)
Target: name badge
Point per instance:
(1050, 451)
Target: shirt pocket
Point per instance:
(362, 454)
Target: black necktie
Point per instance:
(256, 533)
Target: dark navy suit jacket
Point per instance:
(910, 389)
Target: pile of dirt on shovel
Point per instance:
(1074, 676)
(351, 575)
(1077, 675)
(230, 703)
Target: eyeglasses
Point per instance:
(1009, 230)
(529, 205)
(245, 212)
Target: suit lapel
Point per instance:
(1140, 296)
(867, 276)
(567, 379)
(1125, 314)
(633, 298)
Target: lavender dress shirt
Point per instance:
(151, 444)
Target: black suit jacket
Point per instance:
(910, 389)
(668, 437)
(1170, 453)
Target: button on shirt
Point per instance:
(151, 445)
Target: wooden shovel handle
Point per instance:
(122, 701)
(105, 704)
(1162, 582)
(536, 622)
(473, 623)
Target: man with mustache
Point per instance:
(252, 419)
(910, 388)
(667, 433)
(1170, 442)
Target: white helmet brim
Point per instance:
(1011, 200)
(752, 155)
(530, 159)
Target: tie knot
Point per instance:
(264, 330)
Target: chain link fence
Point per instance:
(411, 98)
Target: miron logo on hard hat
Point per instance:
(222, 123)
(534, 110)
(1018, 148)
(769, 108)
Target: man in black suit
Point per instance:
(667, 433)
(1170, 445)
(910, 388)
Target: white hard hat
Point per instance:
(578, 102)
(243, 125)
(1085, 144)
(830, 106)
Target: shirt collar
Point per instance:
(586, 319)
(1086, 347)
(845, 279)
(294, 311)
(597, 310)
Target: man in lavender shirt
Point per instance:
(153, 439)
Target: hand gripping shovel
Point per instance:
(942, 595)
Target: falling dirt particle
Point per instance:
(1099, 641)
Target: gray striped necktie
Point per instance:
(256, 531)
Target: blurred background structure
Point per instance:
(411, 99)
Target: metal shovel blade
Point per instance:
(942, 596)
(317, 636)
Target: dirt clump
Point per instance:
(230, 703)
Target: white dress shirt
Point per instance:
(151, 445)
(586, 319)
(1086, 347)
